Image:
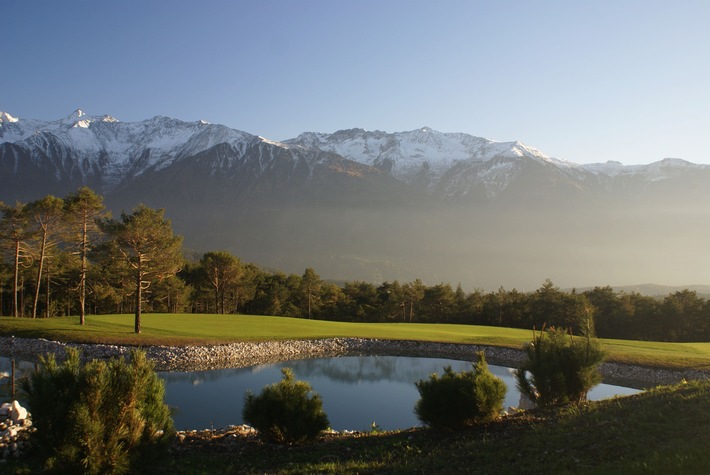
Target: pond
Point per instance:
(356, 391)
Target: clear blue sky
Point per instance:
(585, 81)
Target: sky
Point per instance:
(581, 81)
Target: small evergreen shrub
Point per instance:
(286, 412)
(97, 417)
(456, 399)
(559, 368)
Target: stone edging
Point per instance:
(242, 354)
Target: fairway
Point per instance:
(200, 329)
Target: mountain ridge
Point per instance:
(376, 147)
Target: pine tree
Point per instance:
(15, 230)
(310, 289)
(144, 242)
(221, 270)
(47, 215)
(84, 208)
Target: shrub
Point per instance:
(97, 417)
(455, 399)
(559, 368)
(286, 412)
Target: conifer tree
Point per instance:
(47, 215)
(14, 233)
(144, 242)
(222, 270)
(84, 208)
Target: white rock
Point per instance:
(18, 413)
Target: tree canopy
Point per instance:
(144, 243)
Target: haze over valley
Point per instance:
(376, 206)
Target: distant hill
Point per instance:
(653, 290)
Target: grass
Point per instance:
(193, 329)
(186, 329)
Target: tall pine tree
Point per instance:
(144, 242)
(84, 209)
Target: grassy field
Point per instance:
(191, 329)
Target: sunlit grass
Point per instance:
(689, 355)
(177, 329)
(192, 329)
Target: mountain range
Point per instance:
(371, 205)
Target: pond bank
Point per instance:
(243, 354)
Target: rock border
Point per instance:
(243, 354)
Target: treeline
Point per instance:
(69, 257)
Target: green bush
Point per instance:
(559, 367)
(456, 399)
(286, 412)
(97, 417)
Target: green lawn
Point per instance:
(187, 329)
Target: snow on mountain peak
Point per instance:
(84, 124)
(674, 162)
(423, 156)
(73, 119)
(121, 148)
(77, 114)
(5, 117)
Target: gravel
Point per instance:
(243, 354)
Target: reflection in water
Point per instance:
(356, 391)
(21, 368)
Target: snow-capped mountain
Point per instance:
(376, 205)
(420, 156)
(105, 148)
(462, 167)
(105, 152)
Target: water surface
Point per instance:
(357, 391)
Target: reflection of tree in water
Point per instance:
(347, 369)
(356, 369)
(22, 368)
(197, 377)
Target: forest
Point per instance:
(68, 256)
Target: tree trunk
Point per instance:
(139, 297)
(15, 312)
(42, 251)
(22, 296)
(46, 310)
(82, 278)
